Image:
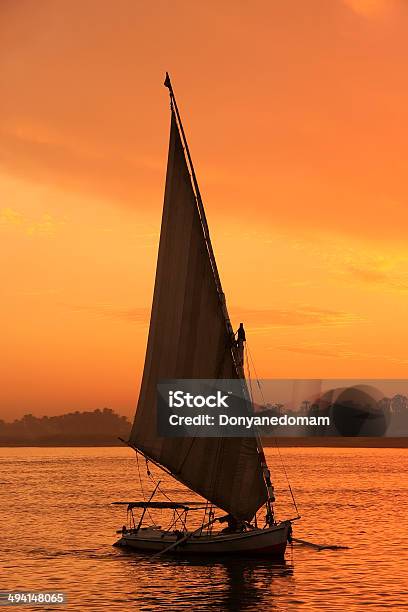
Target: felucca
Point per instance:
(191, 337)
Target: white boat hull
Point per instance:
(270, 542)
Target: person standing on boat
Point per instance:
(240, 345)
(234, 524)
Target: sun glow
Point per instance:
(369, 7)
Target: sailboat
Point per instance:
(191, 337)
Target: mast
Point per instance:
(241, 339)
(237, 347)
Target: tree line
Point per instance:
(97, 427)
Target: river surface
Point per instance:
(57, 530)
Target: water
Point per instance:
(57, 530)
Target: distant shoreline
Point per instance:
(67, 444)
(311, 442)
(337, 442)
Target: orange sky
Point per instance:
(296, 113)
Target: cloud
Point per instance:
(11, 217)
(338, 351)
(256, 320)
(259, 320)
(141, 316)
(138, 315)
(315, 350)
(78, 163)
(74, 116)
(46, 224)
(375, 277)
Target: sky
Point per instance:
(296, 115)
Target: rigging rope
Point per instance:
(248, 352)
(180, 515)
(141, 487)
(251, 395)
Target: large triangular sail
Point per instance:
(189, 338)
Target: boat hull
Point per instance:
(269, 542)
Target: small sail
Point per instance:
(188, 338)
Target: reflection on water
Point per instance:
(58, 529)
(201, 584)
